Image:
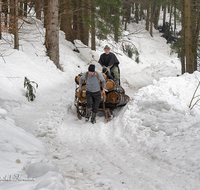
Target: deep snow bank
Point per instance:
(23, 161)
(159, 124)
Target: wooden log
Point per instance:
(117, 98)
(113, 97)
(119, 89)
(110, 84)
(81, 98)
(104, 76)
(124, 99)
(82, 95)
(77, 79)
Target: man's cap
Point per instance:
(91, 68)
(107, 47)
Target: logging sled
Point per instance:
(114, 97)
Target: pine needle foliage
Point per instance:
(131, 50)
(30, 89)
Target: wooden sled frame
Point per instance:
(81, 110)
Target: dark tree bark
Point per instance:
(5, 10)
(75, 19)
(52, 32)
(80, 27)
(156, 16)
(38, 7)
(11, 16)
(16, 36)
(93, 33)
(136, 12)
(45, 7)
(147, 19)
(25, 8)
(66, 20)
(188, 38)
(0, 22)
(195, 30)
(183, 37)
(175, 17)
(21, 9)
(170, 17)
(164, 16)
(117, 20)
(151, 25)
(86, 23)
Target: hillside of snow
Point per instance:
(152, 142)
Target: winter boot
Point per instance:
(93, 118)
(88, 114)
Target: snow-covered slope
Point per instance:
(152, 143)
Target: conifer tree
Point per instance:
(52, 32)
(93, 25)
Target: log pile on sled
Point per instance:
(114, 97)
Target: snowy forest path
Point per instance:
(100, 156)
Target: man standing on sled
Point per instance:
(93, 94)
(110, 63)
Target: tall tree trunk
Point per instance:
(80, 34)
(164, 16)
(0, 21)
(156, 16)
(188, 37)
(136, 12)
(151, 25)
(4, 9)
(116, 25)
(66, 25)
(175, 17)
(75, 19)
(170, 17)
(133, 8)
(38, 6)
(147, 19)
(45, 8)
(183, 37)
(141, 12)
(52, 32)
(86, 23)
(93, 33)
(11, 17)
(127, 14)
(16, 36)
(21, 9)
(63, 13)
(25, 8)
(195, 29)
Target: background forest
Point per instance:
(87, 19)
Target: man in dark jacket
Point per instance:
(110, 62)
(93, 94)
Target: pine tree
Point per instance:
(93, 25)
(16, 35)
(52, 32)
(38, 7)
(66, 19)
(188, 37)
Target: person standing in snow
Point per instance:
(93, 94)
(110, 64)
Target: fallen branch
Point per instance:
(193, 97)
